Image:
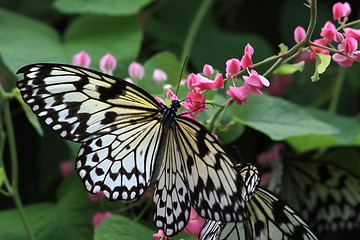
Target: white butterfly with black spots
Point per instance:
(129, 140)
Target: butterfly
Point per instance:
(129, 140)
(327, 195)
(270, 218)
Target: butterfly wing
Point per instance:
(269, 217)
(197, 171)
(326, 195)
(117, 123)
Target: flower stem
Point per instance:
(194, 27)
(13, 188)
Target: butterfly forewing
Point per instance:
(81, 104)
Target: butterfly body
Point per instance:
(129, 140)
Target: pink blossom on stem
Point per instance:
(160, 100)
(233, 66)
(349, 45)
(159, 76)
(96, 197)
(208, 70)
(66, 167)
(160, 235)
(81, 59)
(99, 217)
(354, 33)
(341, 10)
(195, 102)
(108, 64)
(239, 94)
(299, 34)
(188, 115)
(195, 223)
(246, 59)
(321, 42)
(255, 80)
(343, 61)
(136, 71)
(170, 95)
(328, 31)
(199, 83)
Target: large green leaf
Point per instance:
(348, 132)
(25, 41)
(69, 218)
(120, 227)
(278, 118)
(106, 7)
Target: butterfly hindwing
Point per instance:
(196, 153)
(269, 218)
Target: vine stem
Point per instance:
(190, 36)
(13, 188)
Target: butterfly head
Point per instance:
(175, 105)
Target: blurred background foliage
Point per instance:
(154, 33)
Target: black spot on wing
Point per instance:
(79, 85)
(109, 117)
(117, 89)
(203, 149)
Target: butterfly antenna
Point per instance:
(182, 71)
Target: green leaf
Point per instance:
(278, 118)
(24, 41)
(101, 7)
(167, 62)
(348, 133)
(33, 119)
(123, 227)
(2, 176)
(99, 35)
(322, 62)
(283, 48)
(290, 68)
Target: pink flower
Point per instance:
(321, 42)
(96, 197)
(199, 83)
(188, 115)
(160, 235)
(354, 33)
(349, 45)
(99, 217)
(342, 60)
(278, 84)
(108, 64)
(66, 167)
(256, 80)
(299, 34)
(195, 102)
(246, 59)
(170, 95)
(341, 10)
(239, 94)
(208, 70)
(136, 71)
(159, 76)
(81, 59)
(160, 100)
(328, 31)
(195, 223)
(233, 66)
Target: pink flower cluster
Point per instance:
(347, 40)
